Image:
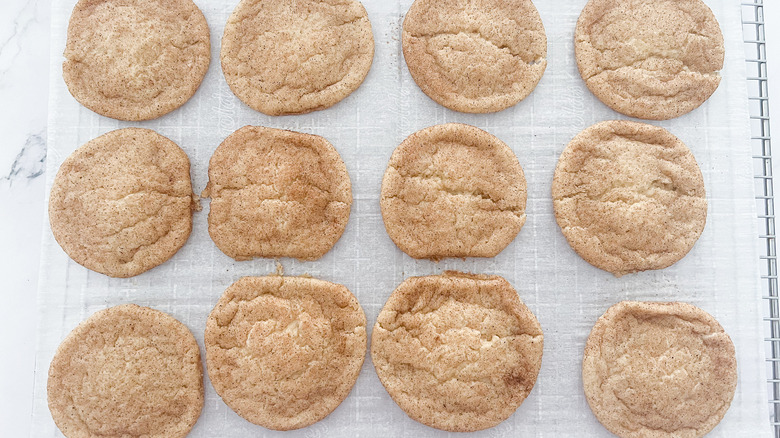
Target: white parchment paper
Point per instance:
(566, 294)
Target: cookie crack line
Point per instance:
(637, 140)
(517, 211)
(439, 379)
(310, 89)
(431, 310)
(84, 60)
(146, 218)
(284, 85)
(136, 250)
(474, 33)
(478, 194)
(138, 192)
(79, 414)
(583, 195)
(411, 395)
(497, 90)
(142, 192)
(272, 293)
(351, 20)
(639, 413)
(218, 192)
(260, 201)
(215, 188)
(619, 252)
(414, 333)
(668, 95)
(641, 59)
(602, 51)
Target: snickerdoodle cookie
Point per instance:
(475, 56)
(122, 203)
(277, 193)
(629, 197)
(296, 56)
(649, 59)
(457, 352)
(453, 191)
(284, 352)
(659, 370)
(135, 59)
(126, 371)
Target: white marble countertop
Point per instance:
(24, 72)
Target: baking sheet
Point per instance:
(566, 294)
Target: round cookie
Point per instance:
(135, 59)
(122, 203)
(649, 59)
(277, 193)
(457, 352)
(296, 56)
(284, 352)
(126, 371)
(475, 56)
(657, 370)
(629, 197)
(453, 191)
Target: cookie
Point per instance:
(126, 371)
(656, 370)
(629, 197)
(649, 59)
(284, 352)
(475, 56)
(122, 203)
(135, 59)
(296, 56)
(453, 191)
(277, 193)
(457, 352)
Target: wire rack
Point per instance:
(753, 28)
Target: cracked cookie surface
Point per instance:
(457, 352)
(649, 59)
(126, 371)
(629, 197)
(122, 203)
(453, 190)
(277, 193)
(135, 59)
(475, 56)
(658, 370)
(296, 56)
(284, 352)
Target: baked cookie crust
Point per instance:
(135, 59)
(649, 59)
(122, 203)
(659, 370)
(284, 352)
(126, 371)
(277, 193)
(296, 56)
(629, 197)
(475, 56)
(457, 352)
(453, 190)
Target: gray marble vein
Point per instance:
(11, 46)
(30, 163)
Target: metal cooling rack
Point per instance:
(753, 27)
